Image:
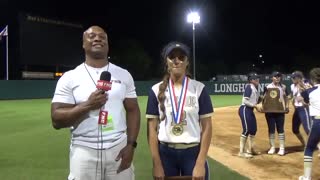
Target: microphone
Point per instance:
(104, 84)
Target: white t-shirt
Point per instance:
(75, 87)
(197, 105)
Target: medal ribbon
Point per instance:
(177, 107)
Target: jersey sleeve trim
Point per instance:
(206, 115)
(150, 116)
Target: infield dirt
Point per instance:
(225, 147)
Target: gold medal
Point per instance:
(177, 130)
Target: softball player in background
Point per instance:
(248, 120)
(312, 97)
(301, 112)
(179, 114)
(276, 120)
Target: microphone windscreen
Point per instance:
(105, 76)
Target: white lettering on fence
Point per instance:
(234, 87)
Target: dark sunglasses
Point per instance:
(180, 57)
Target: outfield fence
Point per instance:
(36, 89)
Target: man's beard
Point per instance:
(97, 55)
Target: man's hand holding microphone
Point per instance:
(98, 98)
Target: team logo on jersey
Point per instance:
(273, 94)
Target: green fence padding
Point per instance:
(35, 89)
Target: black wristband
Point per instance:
(133, 143)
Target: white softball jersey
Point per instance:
(312, 96)
(197, 105)
(296, 93)
(250, 95)
(281, 87)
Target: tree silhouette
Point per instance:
(131, 55)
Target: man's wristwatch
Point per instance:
(133, 143)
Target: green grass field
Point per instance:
(32, 150)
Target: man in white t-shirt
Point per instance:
(98, 150)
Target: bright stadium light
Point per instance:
(193, 18)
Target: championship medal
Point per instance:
(177, 106)
(177, 129)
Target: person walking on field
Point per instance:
(312, 97)
(250, 100)
(301, 110)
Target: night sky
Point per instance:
(231, 32)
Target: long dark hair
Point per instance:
(166, 75)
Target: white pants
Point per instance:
(85, 164)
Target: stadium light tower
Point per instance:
(193, 18)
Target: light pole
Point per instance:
(193, 18)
